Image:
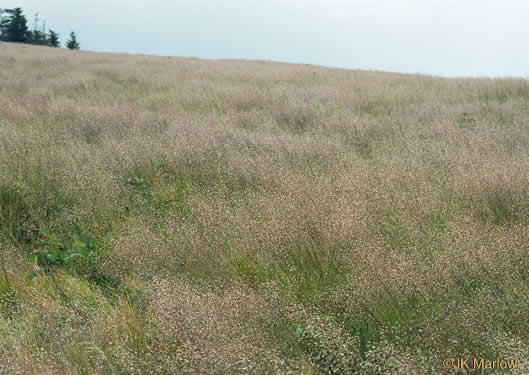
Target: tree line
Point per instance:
(14, 28)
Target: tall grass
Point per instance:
(167, 215)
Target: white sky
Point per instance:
(438, 37)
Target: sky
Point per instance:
(451, 38)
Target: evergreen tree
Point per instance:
(37, 36)
(15, 26)
(72, 43)
(3, 24)
(53, 39)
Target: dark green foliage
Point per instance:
(4, 20)
(54, 252)
(77, 251)
(72, 43)
(14, 27)
(53, 39)
(37, 36)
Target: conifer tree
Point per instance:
(15, 26)
(53, 39)
(37, 36)
(72, 43)
(4, 21)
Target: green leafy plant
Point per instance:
(49, 253)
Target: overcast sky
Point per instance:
(438, 37)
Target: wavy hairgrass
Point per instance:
(168, 215)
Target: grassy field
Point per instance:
(168, 216)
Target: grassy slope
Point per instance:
(240, 217)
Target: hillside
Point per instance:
(164, 215)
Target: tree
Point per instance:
(14, 26)
(72, 43)
(3, 24)
(53, 39)
(37, 36)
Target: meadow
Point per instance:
(164, 215)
